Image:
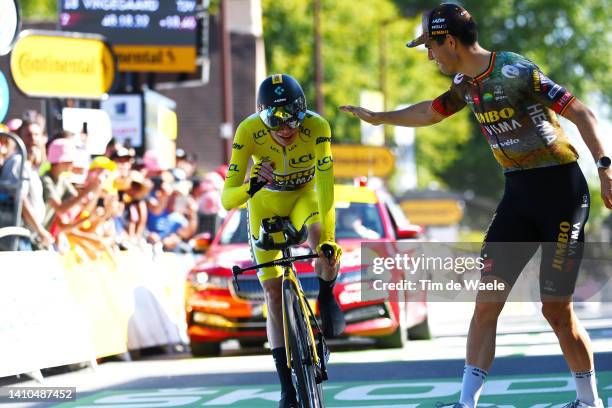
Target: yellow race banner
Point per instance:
(62, 65)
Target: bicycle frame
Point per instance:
(290, 276)
(295, 315)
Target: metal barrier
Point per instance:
(10, 199)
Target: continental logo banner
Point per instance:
(62, 65)
(155, 58)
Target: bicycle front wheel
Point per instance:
(310, 393)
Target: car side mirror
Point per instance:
(409, 232)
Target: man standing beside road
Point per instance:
(545, 190)
(33, 210)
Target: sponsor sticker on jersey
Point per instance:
(302, 161)
(510, 71)
(494, 115)
(325, 163)
(505, 143)
(232, 170)
(554, 91)
(292, 181)
(259, 136)
(536, 81)
(499, 93)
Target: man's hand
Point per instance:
(605, 175)
(362, 113)
(262, 175)
(329, 263)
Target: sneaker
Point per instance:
(332, 318)
(580, 404)
(451, 405)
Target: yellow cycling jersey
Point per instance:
(305, 165)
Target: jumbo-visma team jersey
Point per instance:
(301, 166)
(515, 104)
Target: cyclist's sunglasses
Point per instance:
(290, 115)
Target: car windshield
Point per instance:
(353, 221)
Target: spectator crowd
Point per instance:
(94, 204)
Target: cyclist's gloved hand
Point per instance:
(262, 175)
(334, 248)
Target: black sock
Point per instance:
(284, 373)
(326, 288)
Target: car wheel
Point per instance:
(199, 349)
(397, 339)
(252, 343)
(420, 331)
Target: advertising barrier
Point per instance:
(64, 309)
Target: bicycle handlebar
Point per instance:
(237, 271)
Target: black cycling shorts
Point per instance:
(545, 207)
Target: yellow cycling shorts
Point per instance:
(301, 206)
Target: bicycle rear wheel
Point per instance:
(310, 394)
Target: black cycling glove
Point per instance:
(255, 183)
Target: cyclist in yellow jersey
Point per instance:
(292, 176)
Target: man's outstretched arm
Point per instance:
(419, 114)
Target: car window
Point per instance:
(353, 221)
(398, 218)
(358, 220)
(235, 230)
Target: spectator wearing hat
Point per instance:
(7, 147)
(123, 158)
(59, 194)
(136, 213)
(97, 233)
(186, 162)
(208, 196)
(153, 164)
(165, 225)
(33, 208)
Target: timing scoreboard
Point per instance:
(146, 35)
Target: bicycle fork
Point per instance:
(319, 350)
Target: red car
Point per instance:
(217, 311)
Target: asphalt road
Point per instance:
(528, 372)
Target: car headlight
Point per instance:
(204, 280)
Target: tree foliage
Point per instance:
(39, 9)
(351, 56)
(569, 40)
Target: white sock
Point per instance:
(471, 387)
(586, 387)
